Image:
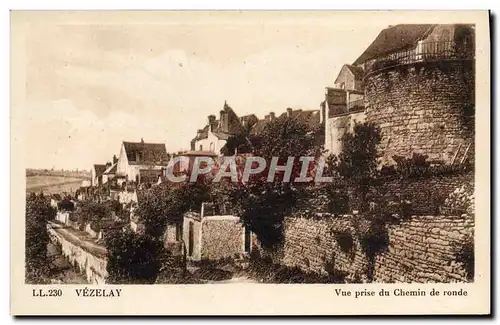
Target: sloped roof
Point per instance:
(395, 38)
(111, 170)
(357, 71)
(148, 153)
(259, 126)
(309, 117)
(99, 169)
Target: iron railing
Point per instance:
(425, 52)
(358, 104)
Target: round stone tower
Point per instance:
(419, 89)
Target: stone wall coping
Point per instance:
(221, 217)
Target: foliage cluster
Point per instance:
(38, 212)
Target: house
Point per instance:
(214, 234)
(344, 105)
(350, 77)
(110, 172)
(140, 157)
(97, 173)
(215, 134)
(343, 109)
(185, 166)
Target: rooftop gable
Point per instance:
(146, 153)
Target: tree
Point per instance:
(66, 204)
(38, 212)
(92, 211)
(262, 205)
(356, 165)
(132, 258)
(167, 203)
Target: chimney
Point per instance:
(108, 164)
(223, 121)
(272, 116)
(289, 112)
(115, 160)
(211, 119)
(142, 140)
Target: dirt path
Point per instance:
(80, 239)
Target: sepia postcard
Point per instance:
(250, 163)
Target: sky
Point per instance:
(92, 82)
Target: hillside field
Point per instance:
(52, 184)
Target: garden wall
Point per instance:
(423, 249)
(420, 249)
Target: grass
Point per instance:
(52, 184)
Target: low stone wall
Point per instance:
(312, 245)
(93, 266)
(421, 249)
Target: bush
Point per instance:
(38, 212)
(132, 258)
(346, 242)
(465, 255)
(416, 166)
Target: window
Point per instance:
(342, 85)
(212, 146)
(201, 147)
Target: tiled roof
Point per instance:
(258, 127)
(309, 117)
(395, 38)
(141, 153)
(99, 169)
